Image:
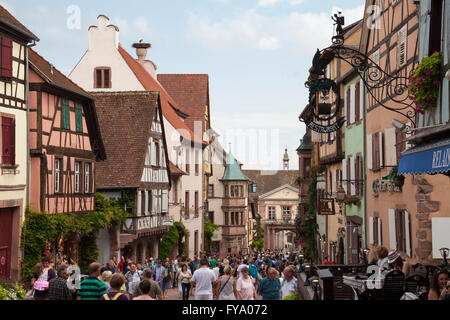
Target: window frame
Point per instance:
(57, 175)
(87, 185)
(102, 76)
(77, 174)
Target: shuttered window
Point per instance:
(435, 26)
(87, 178)
(196, 203)
(58, 175)
(377, 150)
(77, 177)
(165, 200)
(8, 142)
(349, 177)
(79, 117)
(348, 106)
(402, 46)
(65, 114)
(358, 176)
(357, 101)
(6, 60)
(186, 203)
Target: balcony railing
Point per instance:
(279, 221)
(133, 225)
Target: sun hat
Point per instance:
(392, 256)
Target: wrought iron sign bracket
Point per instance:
(380, 85)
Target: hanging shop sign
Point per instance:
(325, 129)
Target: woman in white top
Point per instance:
(244, 286)
(185, 280)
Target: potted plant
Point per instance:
(424, 83)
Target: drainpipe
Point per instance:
(27, 88)
(365, 169)
(27, 95)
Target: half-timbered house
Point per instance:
(399, 212)
(65, 141)
(107, 67)
(14, 166)
(134, 136)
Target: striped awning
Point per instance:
(429, 159)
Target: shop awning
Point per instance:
(430, 159)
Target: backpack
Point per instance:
(106, 297)
(253, 271)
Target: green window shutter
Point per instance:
(79, 117)
(66, 114)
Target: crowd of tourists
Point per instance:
(266, 276)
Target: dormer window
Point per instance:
(102, 77)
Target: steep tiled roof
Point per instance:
(269, 180)
(124, 122)
(167, 102)
(54, 78)
(191, 93)
(9, 18)
(174, 170)
(44, 69)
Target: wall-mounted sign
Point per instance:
(388, 186)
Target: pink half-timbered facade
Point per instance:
(65, 141)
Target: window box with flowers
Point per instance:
(424, 83)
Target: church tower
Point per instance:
(286, 160)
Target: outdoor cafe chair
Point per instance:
(394, 285)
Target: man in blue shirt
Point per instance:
(270, 286)
(158, 273)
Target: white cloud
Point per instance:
(265, 3)
(303, 32)
(269, 43)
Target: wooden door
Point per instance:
(6, 218)
(353, 243)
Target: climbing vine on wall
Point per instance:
(209, 232)
(258, 238)
(43, 232)
(175, 236)
(308, 223)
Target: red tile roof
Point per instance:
(8, 17)
(167, 102)
(191, 91)
(43, 68)
(124, 119)
(174, 170)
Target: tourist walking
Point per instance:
(132, 278)
(226, 285)
(203, 280)
(155, 291)
(185, 280)
(57, 288)
(167, 279)
(117, 281)
(289, 283)
(41, 279)
(158, 273)
(270, 286)
(244, 285)
(106, 278)
(144, 288)
(92, 288)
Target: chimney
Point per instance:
(141, 52)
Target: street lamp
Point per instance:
(308, 274)
(444, 253)
(301, 258)
(315, 285)
(365, 253)
(340, 196)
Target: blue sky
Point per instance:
(256, 52)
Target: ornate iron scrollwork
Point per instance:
(393, 87)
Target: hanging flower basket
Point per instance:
(424, 83)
